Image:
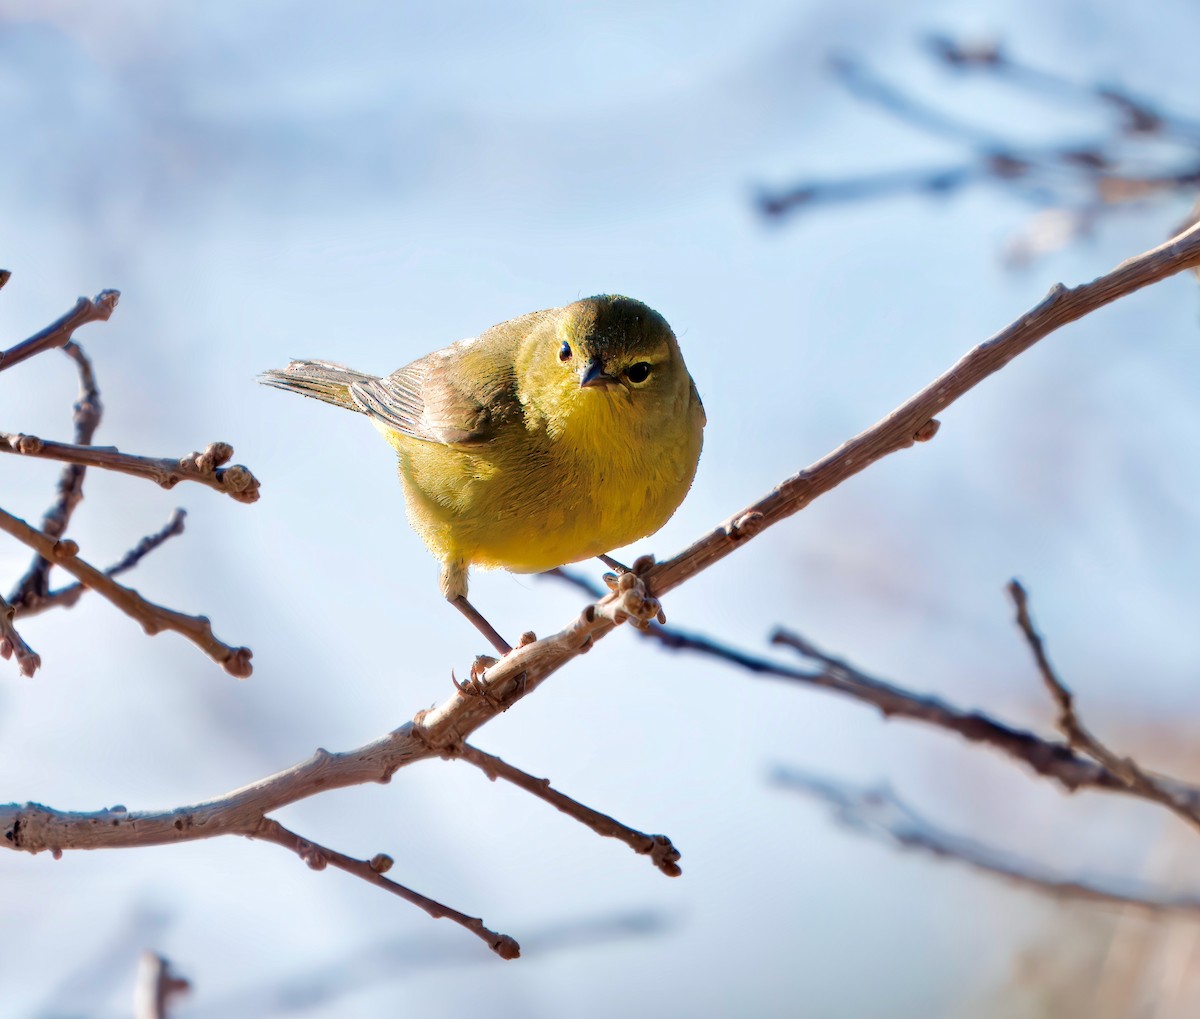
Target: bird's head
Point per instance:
(606, 363)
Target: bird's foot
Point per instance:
(475, 686)
(634, 601)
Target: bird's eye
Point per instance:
(564, 352)
(638, 373)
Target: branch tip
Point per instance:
(506, 947)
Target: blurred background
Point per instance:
(365, 182)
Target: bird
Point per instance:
(551, 438)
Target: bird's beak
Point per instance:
(594, 376)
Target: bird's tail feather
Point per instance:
(323, 380)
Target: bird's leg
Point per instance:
(481, 624)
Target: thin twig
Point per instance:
(12, 643)
(1081, 738)
(881, 814)
(205, 468)
(659, 848)
(156, 987)
(86, 418)
(318, 857)
(1139, 116)
(934, 180)
(66, 597)
(58, 332)
(154, 618)
(869, 87)
(865, 85)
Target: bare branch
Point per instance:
(58, 332)
(154, 618)
(86, 417)
(12, 643)
(881, 814)
(318, 857)
(1048, 758)
(1081, 738)
(909, 422)
(235, 481)
(932, 180)
(441, 730)
(1082, 179)
(1138, 116)
(66, 597)
(156, 987)
(659, 848)
(862, 83)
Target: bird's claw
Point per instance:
(634, 602)
(474, 687)
(479, 669)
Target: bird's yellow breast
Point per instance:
(556, 486)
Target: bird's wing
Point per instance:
(457, 396)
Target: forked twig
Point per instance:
(1139, 781)
(58, 333)
(154, 618)
(1046, 757)
(65, 597)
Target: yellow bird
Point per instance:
(550, 438)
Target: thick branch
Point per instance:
(154, 618)
(167, 472)
(58, 332)
(911, 421)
